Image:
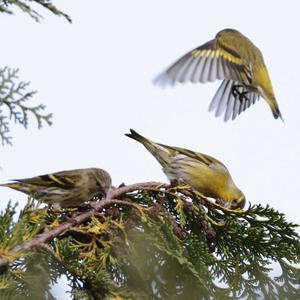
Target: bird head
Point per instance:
(227, 33)
(238, 202)
(233, 199)
(103, 180)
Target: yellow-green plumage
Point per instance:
(233, 58)
(66, 188)
(204, 173)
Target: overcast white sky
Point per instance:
(96, 77)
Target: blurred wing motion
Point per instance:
(230, 57)
(226, 100)
(206, 63)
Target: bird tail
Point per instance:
(161, 153)
(276, 112)
(266, 90)
(274, 107)
(18, 186)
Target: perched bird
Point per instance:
(202, 172)
(65, 189)
(233, 58)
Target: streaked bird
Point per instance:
(65, 189)
(204, 173)
(233, 58)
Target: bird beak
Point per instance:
(242, 203)
(230, 205)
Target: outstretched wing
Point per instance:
(207, 63)
(60, 179)
(225, 102)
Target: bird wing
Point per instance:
(225, 101)
(203, 158)
(59, 179)
(207, 63)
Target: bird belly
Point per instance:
(201, 177)
(172, 173)
(51, 195)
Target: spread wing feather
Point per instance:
(206, 63)
(225, 101)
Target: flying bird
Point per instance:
(204, 173)
(234, 59)
(66, 188)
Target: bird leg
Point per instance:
(178, 185)
(85, 207)
(174, 182)
(242, 96)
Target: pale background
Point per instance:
(96, 77)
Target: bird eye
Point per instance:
(239, 203)
(98, 183)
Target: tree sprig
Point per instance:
(154, 241)
(6, 6)
(13, 104)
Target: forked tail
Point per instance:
(161, 153)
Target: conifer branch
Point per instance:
(78, 218)
(160, 234)
(7, 5)
(13, 98)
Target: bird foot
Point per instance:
(85, 207)
(241, 96)
(174, 182)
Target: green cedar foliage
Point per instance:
(13, 104)
(160, 243)
(7, 6)
(14, 94)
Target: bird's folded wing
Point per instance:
(205, 159)
(51, 180)
(207, 63)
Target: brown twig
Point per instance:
(39, 240)
(116, 192)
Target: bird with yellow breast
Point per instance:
(234, 59)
